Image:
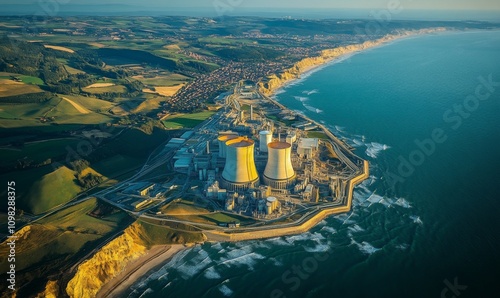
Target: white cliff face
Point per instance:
(108, 262)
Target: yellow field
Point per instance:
(97, 45)
(149, 105)
(100, 85)
(58, 48)
(72, 70)
(165, 91)
(100, 90)
(12, 88)
(78, 107)
(173, 47)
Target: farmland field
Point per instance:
(186, 120)
(163, 80)
(165, 91)
(12, 88)
(109, 89)
(59, 48)
(37, 151)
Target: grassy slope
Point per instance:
(183, 208)
(25, 115)
(186, 120)
(47, 245)
(154, 235)
(40, 189)
(39, 151)
(52, 189)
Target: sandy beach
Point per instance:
(155, 257)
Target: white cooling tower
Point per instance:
(279, 173)
(240, 172)
(222, 143)
(266, 137)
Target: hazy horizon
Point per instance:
(127, 8)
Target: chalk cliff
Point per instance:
(107, 263)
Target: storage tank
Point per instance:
(291, 137)
(269, 208)
(273, 201)
(279, 173)
(240, 172)
(266, 137)
(222, 143)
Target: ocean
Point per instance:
(425, 112)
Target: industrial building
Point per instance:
(266, 137)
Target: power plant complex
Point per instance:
(253, 164)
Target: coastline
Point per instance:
(133, 271)
(307, 66)
(159, 255)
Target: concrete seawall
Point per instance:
(301, 228)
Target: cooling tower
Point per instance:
(266, 137)
(240, 172)
(279, 173)
(222, 143)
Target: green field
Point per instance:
(317, 134)
(72, 70)
(186, 120)
(220, 218)
(38, 151)
(154, 234)
(41, 189)
(183, 208)
(24, 115)
(31, 80)
(165, 80)
(77, 219)
(48, 245)
(91, 103)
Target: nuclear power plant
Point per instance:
(239, 172)
(251, 165)
(279, 173)
(258, 160)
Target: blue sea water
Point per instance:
(427, 221)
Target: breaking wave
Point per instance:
(313, 109)
(301, 98)
(365, 247)
(210, 273)
(225, 290)
(373, 149)
(416, 219)
(307, 92)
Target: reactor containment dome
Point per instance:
(240, 172)
(279, 173)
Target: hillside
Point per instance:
(109, 261)
(44, 248)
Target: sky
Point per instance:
(289, 4)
